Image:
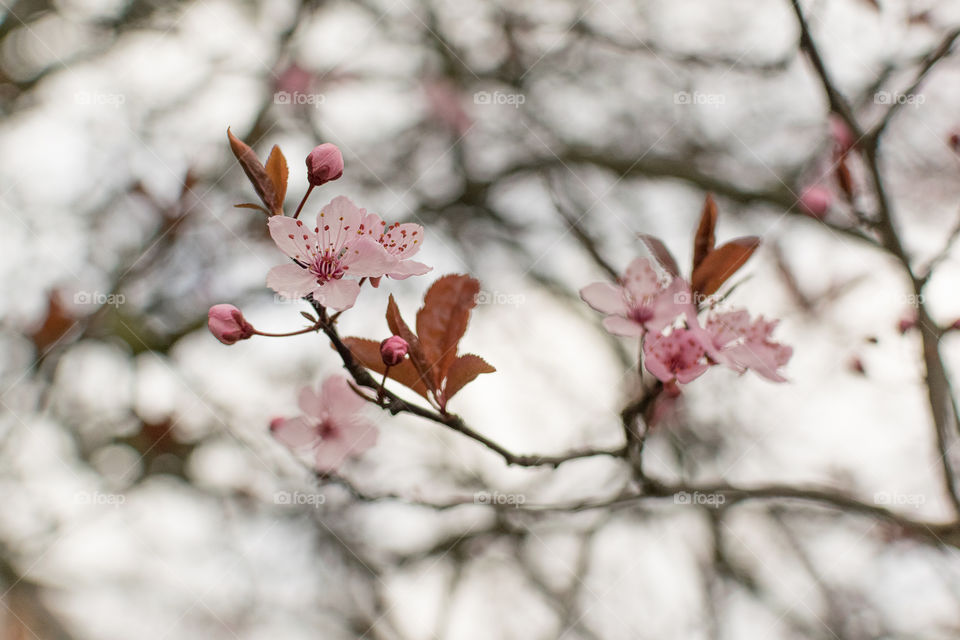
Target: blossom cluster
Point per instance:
(346, 247)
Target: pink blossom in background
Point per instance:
(677, 356)
(732, 339)
(643, 302)
(816, 201)
(324, 164)
(332, 426)
(294, 79)
(336, 247)
(446, 106)
(843, 139)
(227, 324)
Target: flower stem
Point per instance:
(302, 202)
(315, 327)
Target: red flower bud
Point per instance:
(325, 163)
(393, 350)
(227, 324)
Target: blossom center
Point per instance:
(326, 267)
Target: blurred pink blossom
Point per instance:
(816, 201)
(332, 426)
(643, 302)
(678, 355)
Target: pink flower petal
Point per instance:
(291, 281)
(403, 240)
(605, 298)
(366, 257)
(408, 268)
(295, 432)
(620, 326)
(337, 294)
(338, 223)
(293, 237)
(341, 401)
(641, 279)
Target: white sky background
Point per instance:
(216, 558)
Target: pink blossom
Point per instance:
(643, 302)
(324, 164)
(393, 350)
(401, 240)
(907, 321)
(227, 324)
(816, 201)
(446, 106)
(842, 136)
(332, 426)
(678, 355)
(336, 247)
(732, 339)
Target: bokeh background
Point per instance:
(141, 495)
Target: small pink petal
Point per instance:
(293, 237)
(295, 432)
(291, 281)
(337, 294)
(605, 298)
(620, 326)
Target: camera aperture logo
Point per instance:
(714, 500)
(499, 499)
(299, 498)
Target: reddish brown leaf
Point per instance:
(704, 241)
(420, 361)
(721, 263)
(278, 172)
(442, 320)
(845, 178)
(463, 370)
(367, 353)
(57, 323)
(661, 254)
(255, 171)
(250, 205)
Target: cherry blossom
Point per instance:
(324, 164)
(677, 356)
(401, 240)
(732, 339)
(227, 324)
(816, 201)
(643, 302)
(332, 426)
(336, 247)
